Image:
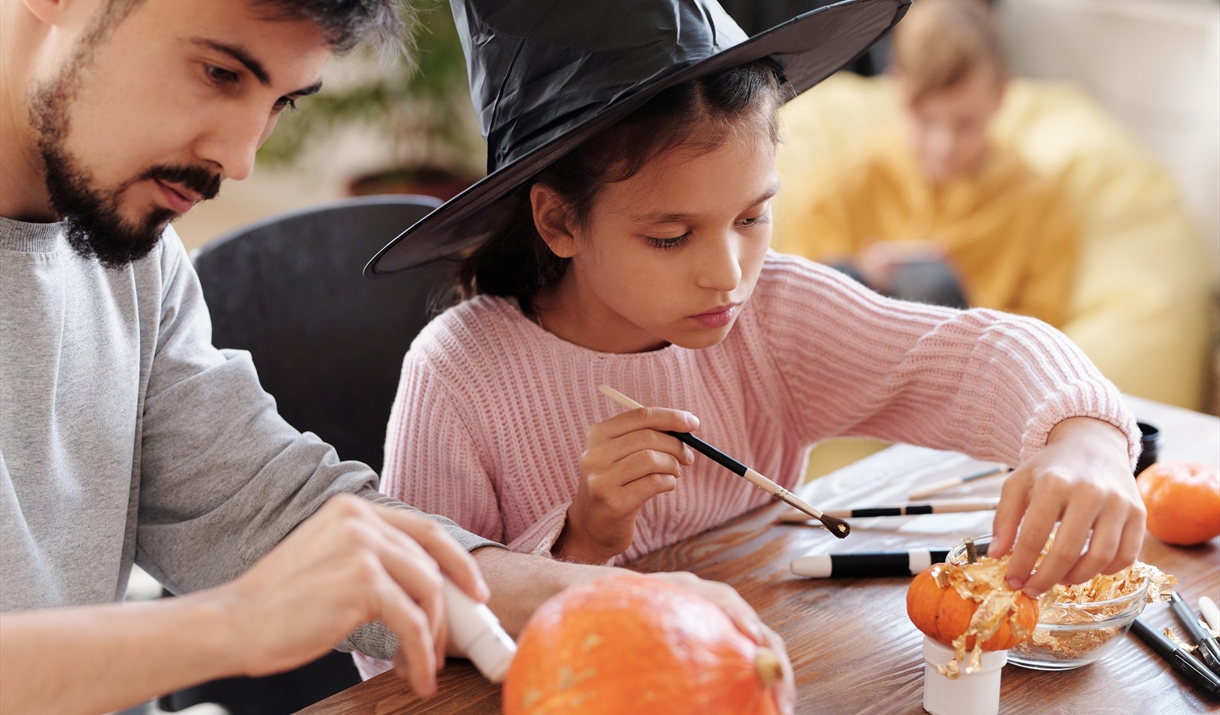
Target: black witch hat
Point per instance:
(546, 75)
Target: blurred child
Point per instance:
(943, 215)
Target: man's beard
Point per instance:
(94, 227)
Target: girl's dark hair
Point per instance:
(699, 115)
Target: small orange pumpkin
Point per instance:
(1183, 501)
(637, 646)
(942, 602)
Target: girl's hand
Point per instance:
(1082, 479)
(627, 461)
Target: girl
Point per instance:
(640, 260)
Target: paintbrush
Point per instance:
(956, 481)
(947, 506)
(835, 525)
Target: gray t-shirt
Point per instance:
(125, 436)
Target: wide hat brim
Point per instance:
(809, 48)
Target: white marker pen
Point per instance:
(476, 631)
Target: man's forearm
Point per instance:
(520, 583)
(96, 659)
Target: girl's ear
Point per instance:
(553, 220)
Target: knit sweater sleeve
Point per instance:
(432, 460)
(986, 383)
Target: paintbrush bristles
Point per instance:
(835, 525)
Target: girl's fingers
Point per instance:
(619, 448)
(1077, 522)
(652, 418)
(1014, 499)
(1103, 543)
(1132, 540)
(643, 464)
(1044, 510)
(636, 493)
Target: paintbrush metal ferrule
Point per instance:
(834, 525)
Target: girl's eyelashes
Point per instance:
(668, 243)
(751, 222)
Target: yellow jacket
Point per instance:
(1139, 305)
(1008, 232)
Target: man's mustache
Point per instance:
(194, 177)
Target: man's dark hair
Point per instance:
(381, 24)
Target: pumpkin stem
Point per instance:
(767, 664)
(972, 554)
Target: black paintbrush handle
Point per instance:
(893, 510)
(711, 453)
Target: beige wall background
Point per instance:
(1154, 64)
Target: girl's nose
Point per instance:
(719, 265)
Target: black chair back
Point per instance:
(328, 342)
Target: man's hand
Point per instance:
(747, 621)
(1082, 479)
(350, 563)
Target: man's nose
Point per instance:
(232, 142)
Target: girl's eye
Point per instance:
(668, 243)
(220, 75)
(751, 222)
(284, 102)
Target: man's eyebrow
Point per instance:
(770, 191)
(254, 66)
(241, 55)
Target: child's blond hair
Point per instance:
(940, 42)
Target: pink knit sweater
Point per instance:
(489, 422)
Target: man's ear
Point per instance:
(553, 219)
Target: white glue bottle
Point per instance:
(477, 633)
(976, 693)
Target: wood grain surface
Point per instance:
(853, 648)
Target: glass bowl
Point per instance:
(1069, 635)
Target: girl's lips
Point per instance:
(178, 202)
(717, 318)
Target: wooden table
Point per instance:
(853, 648)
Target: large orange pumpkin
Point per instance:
(943, 600)
(1183, 501)
(637, 646)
